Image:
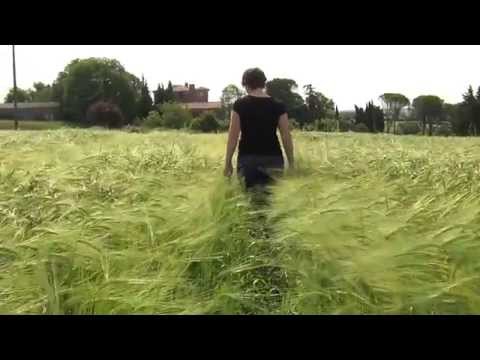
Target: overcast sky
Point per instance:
(348, 74)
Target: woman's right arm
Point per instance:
(286, 139)
(233, 135)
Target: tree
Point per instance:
(41, 92)
(453, 113)
(87, 81)
(469, 102)
(58, 88)
(337, 118)
(359, 115)
(39, 86)
(393, 105)
(145, 102)
(283, 90)
(372, 117)
(318, 104)
(313, 103)
(428, 109)
(230, 94)
(22, 96)
(169, 93)
(159, 95)
(476, 113)
(470, 112)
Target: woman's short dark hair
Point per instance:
(254, 79)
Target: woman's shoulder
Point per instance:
(279, 105)
(241, 100)
(245, 100)
(277, 102)
(239, 103)
(248, 98)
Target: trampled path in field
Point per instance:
(110, 222)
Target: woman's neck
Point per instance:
(257, 93)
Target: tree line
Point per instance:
(100, 91)
(425, 114)
(87, 89)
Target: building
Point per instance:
(189, 94)
(31, 111)
(195, 99)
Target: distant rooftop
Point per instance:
(187, 87)
(32, 105)
(214, 105)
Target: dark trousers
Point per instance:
(259, 171)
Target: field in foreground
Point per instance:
(98, 222)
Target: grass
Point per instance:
(31, 125)
(105, 222)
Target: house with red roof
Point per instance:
(195, 99)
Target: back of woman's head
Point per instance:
(254, 79)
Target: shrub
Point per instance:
(175, 116)
(361, 128)
(220, 115)
(345, 125)
(444, 129)
(309, 127)
(138, 121)
(153, 120)
(408, 128)
(223, 125)
(205, 123)
(328, 125)
(293, 124)
(105, 114)
(132, 129)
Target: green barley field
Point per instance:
(31, 125)
(108, 222)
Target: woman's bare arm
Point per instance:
(233, 135)
(286, 139)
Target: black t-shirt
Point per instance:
(259, 121)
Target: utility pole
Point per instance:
(15, 119)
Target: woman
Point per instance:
(257, 117)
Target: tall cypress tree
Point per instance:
(372, 117)
(476, 113)
(337, 118)
(159, 95)
(145, 103)
(169, 94)
(470, 105)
